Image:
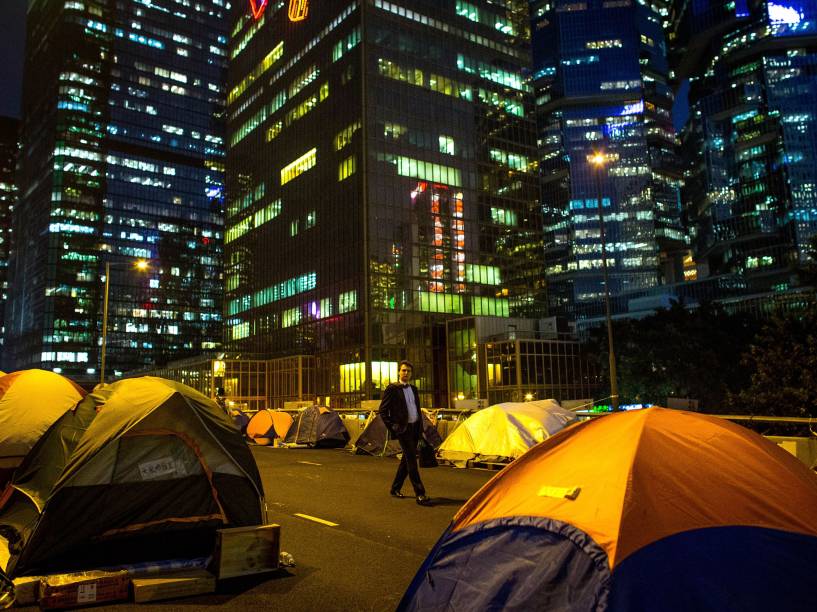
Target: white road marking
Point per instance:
(316, 519)
(310, 463)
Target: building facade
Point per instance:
(602, 86)
(8, 194)
(750, 145)
(121, 160)
(381, 180)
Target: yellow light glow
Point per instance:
(141, 265)
(298, 9)
(597, 159)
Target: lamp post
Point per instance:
(598, 159)
(139, 265)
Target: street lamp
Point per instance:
(599, 159)
(139, 265)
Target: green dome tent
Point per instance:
(143, 469)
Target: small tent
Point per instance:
(30, 402)
(652, 509)
(143, 469)
(504, 431)
(376, 440)
(266, 425)
(317, 426)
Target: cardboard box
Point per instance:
(83, 588)
(243, 551)
(26, 590)
(169, 586)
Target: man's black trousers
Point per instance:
(408, 464)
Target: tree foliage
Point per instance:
(679, 353)
(783, 366)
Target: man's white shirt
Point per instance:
(413, 413)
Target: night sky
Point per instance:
(12, 43)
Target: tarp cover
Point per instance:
(504, 431)
(143, 469)
(646, 510)
(317, 426)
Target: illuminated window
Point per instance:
(513, 106)
(486, 275)
(274, 130)
(291, 317)
(299, 166)
(293, 228)
(311, 219)
(302, 80)
(427, 171)
(345, 44)
(439, 302)
(347, 302)
(503, 217)
(446, 145)
(265, 64)
(488, 306)
(344, 137)
(394, 131)
(347, 167)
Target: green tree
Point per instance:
(678, 353)
(783, 366)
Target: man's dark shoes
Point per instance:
(423, 500)
(396, 493)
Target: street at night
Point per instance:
(366, 560)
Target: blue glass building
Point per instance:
(601, 78)
(122, 160)
(750, 145)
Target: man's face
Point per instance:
(404, 374)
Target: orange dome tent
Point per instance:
(653, 509)
(265, 425)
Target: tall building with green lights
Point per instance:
(750, 144)
(602, 86)
(121, 160)
(381, 180)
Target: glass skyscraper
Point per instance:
(601, 79)
(750, 145)
(8, 193)
(121, 160)
(382, 179)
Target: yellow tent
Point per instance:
(504, 431)
(30, 401)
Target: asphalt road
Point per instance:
(365, 559)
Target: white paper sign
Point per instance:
(156, 469)
(86, 593)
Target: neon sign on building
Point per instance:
(257, 7)
(298, 9)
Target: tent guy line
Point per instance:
(316, 520)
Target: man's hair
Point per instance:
(406, 362)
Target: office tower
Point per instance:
(750, 144)
(601, 81)
(381, 179)
(8, 193)
(121, 160)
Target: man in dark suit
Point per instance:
(400, 411)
